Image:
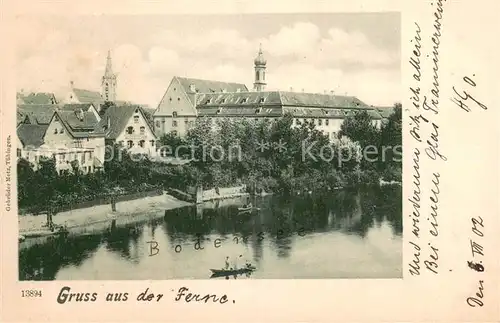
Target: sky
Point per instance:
(352, 53)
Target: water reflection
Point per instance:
(335, 235)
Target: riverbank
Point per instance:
(80, 221)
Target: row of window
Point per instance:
(130, 130)
(313, 121)
(140, 143)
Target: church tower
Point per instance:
(108, 85)
(260, 72)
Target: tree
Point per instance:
(359, 127)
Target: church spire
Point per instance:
(260, 71)
(109, 65)
(108, 85)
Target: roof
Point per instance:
(277, 103)
(86, 126)
(37, 98)
(208, 86)
(31, 134)
(37, 113)
(75, 106)
(119, 117)
(385, 112)
(87, 96)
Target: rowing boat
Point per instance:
(231, 272)
(249, 208)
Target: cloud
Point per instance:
(299, 55)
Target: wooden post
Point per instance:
(113, 203)
(199, 194)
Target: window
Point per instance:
(120, 143)
(297, 121)
(136, 119)
(174, 132)
(244, 100)
(143, 130)
(186, 121)
(82, 160)
(141, 143)
(90, 156)
(320, 122)
(130, 130)
(327, 122)
(61, 131)
(174, 114)
(130, 144)
(55, 131)
(178, 99)
(174, 123)
(157, 124)
(170, 99)
(223, 100)
(152, 143)
(334, 134)
(262, 100)
(18, 152)
(305, 120)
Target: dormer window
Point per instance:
(192, 88)
(219, 110)
(244, 100)
(174, 114)
(258, 110)
(136, 119)
(208, 101)
(223, 100)
(130, 130)
(55, 131)
(261, 100)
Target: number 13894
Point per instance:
(31, 293)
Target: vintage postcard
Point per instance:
(250, 161)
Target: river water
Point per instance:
(344, 234)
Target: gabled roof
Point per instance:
(87, 96)
(321, 100)
(36, 98)
(76, 106)
(208, 86)
(31, 135)
(79, 124)
(37, 113)
(119, 117)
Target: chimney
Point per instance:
(192, 88)
(332, 92)
(291, 89)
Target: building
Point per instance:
(187, 99)
(77, 131)
(108, 83)
(129, 127)
(31, 146)
(77, 95)
(35, 98)
(36, 113)
(177, 110)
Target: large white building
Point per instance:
(187, 99)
